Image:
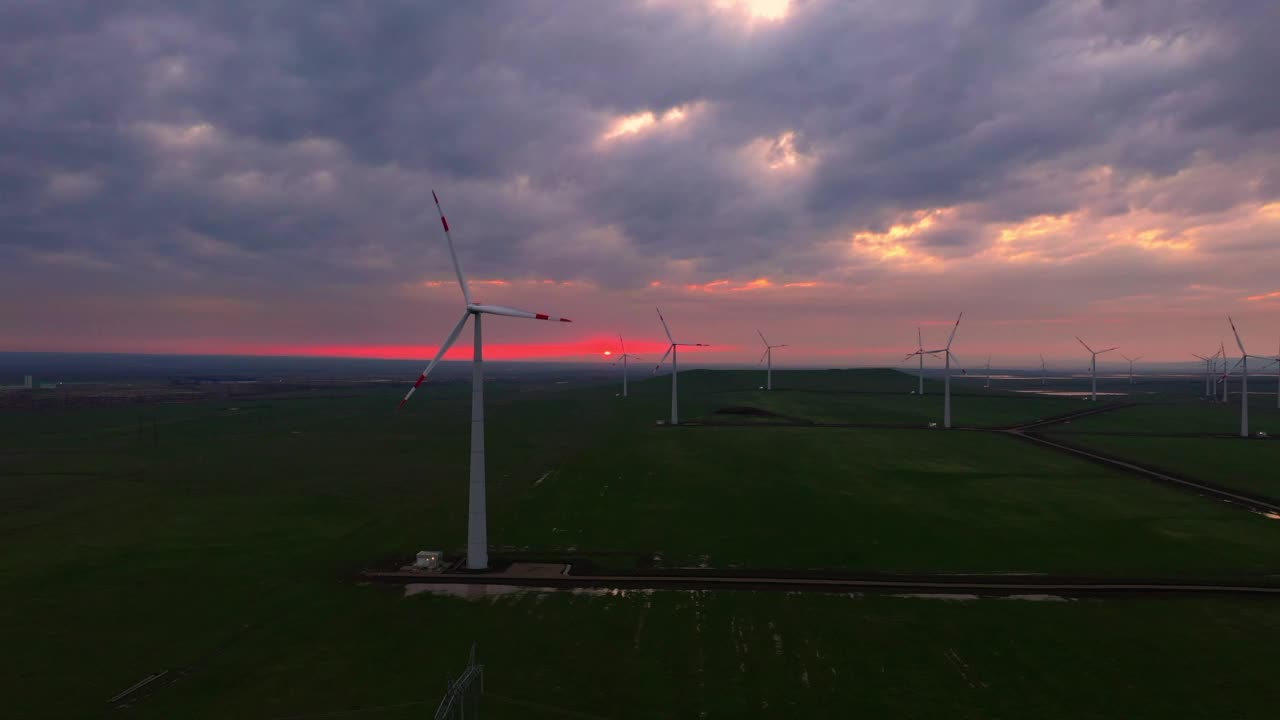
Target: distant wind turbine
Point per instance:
(1093, 367)
(988, 383)
(768, 355)
(1044, 372)
(1131, 360)
(920, 354)
(477, 519)
(675, 367)
(1226, 374)
(623, 357)
(1244, 379)
(1210, 363)
(946, 377)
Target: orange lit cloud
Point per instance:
(760, 283)
(892, 244)
(635, 124)
(1264, 296)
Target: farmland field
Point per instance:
(222, 541)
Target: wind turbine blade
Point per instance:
(762, 356)
(1233, 332)
(919, 339)
(622, 344)
(462, 279)
(665, 329)
(954, 328)
(1201, 357)
(516, 312)
(692, 344)
(1107, 350)
(1136, 359)
(778, 346)
(766, 342)
(670, 347)
(444, 347)
(1086, 345)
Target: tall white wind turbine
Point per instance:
(675, 367)
(988, 383)
(1044, 371)
(767, 356)
(623, 357)
(477, 518)
(946, 377)
(1131, 360)
(1244, 379)
(1093, 367)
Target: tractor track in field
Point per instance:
(810, 582)
(1030, 432)
(1252, 503)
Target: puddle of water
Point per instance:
(479, 591)
(1067, 393)
(1034, 597)
(1271, 515)
(937, 596)
(470, 591)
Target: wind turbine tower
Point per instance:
(920, 355)
(946, 377)
(1131, 360)
(672, 350)
(477, 518)
(1093, 367)
(623, 357)
(767, 356)
(1244, 379)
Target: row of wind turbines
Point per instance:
(477, 517)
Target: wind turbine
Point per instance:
(920, 354)
(988, 383)
(1093, 367)
(1226, 374)
(1044, 372)
(675, 368)
(1131, 360)
(1244, 379)
(946, 377)
(477, 519)
(623, 356)
(768, 355)
(1209, 364)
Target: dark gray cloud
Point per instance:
(289, 147)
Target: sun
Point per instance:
(608, 352)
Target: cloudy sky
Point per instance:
(249, 176)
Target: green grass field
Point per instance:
(1188, 416)
(727, 655)
(220, 541)
(1249, 466)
